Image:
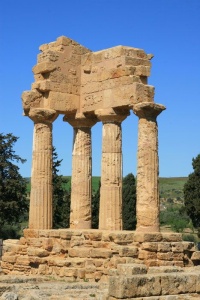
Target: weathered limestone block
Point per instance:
(178, 284)
(79, 252)
(151, 286)
(14, 248)
(23, 260)
(178, 256)
(150, 246)
(93, 235)
(43, 270)
(147, 170)
(169, 263)
(69, 88)
(196, 256)
(164, 247)
(119, 237)
(172, 237)
(110, 93)
(142, 93)
(114, 262)
(62, 40)
(7, 257)
(147, 255)
(165, 256)
(177, 247)
(134, 286)
(65, 245)
(30, 233)
(101, 253)
(68, 272)
(58, 248)
(63, 102)
(31, 99)
(131, 269)
(77, 241)
(147, 237)
(100, 244)
(58, 77)
(188, 246)
(115, 52)
(48, 56)
(35, 261)
(32, 251)
(109, 76)
(65, 234)
(165, 269)
(44, 67)
(7, 266)
(127, 251)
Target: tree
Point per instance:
(175, 215)
(95, 208)
(61, 196)
(192, 193)
(13, 201)
(129, 202)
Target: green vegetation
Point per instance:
(175, 216)
(192, 193)
(169, 187)
(190, 238)
(173, 212)
(172, 187)
(95, 205)
(129, 202)
(13, 201)
(61, 196)
(95, 183)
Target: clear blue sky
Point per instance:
(170, 29)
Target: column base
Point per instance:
(154, 228)
(81, 225)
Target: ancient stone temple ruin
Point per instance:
(88, 87)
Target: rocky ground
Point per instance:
(47, 288)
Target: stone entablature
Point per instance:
(71, 78)
(89, 87)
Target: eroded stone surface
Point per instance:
(48, 288)
(92, 254)
(88, 87)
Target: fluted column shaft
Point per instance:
(110, 212)
(148, 205)
(81, 182)
(40, 214)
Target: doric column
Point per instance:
(40, 215)
(81, 181)
(148, 206)
(110, 212)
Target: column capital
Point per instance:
(80, 120)
(42, 115)
(148, 110)
(111, 115)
